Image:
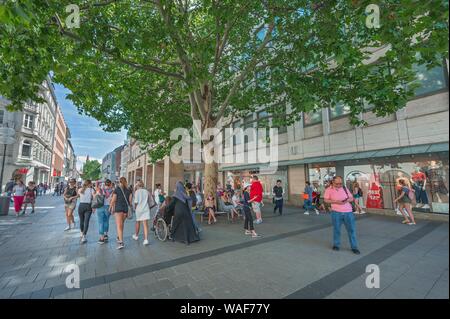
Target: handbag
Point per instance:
(130, 208)
(98, 201)
(352, 203)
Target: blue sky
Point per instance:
(88, 138)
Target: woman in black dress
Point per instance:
(183, 229)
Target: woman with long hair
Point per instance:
(405, 201)
(86, 194)
(70, 202)
(119, 206)
(210, 208)
(358, 196)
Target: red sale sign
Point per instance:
(375, 197)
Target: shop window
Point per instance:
(312, 118)
(26, 149)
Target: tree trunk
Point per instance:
(211, 174)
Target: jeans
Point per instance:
(308, 205)
(349, 221)
(279, 206)
(421, 195)
(248, 224)
(103, 219)
(85, 212)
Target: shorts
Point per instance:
(29, 200)
(71, 205)
(256, 207)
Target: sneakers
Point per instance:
(32, 212)
(101, 241)
(411, 223)
(135, 237)
(146, 243)
(120, 245)
(419, 205)
(426, 206)
(83, 240)
(247, 232)
(362, 212)
(306, 213)
(335, 248)
(106, 238)
(67, 228)
(398, 212)
(255, 235)
(258, 221)
(356, 251)
(317, 212)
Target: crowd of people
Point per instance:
(125, 201)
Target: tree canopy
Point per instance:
(92, 170)
(150, 66)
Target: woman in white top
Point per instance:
(86, 194)
(19, 195)
(142, 209)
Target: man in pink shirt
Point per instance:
(340, 199)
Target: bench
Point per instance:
(202, 213)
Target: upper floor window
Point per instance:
(312, 118)
(339, 110)
(236, 137)
(26, 148)
(429, 81)
(28, 121)
(2, 115)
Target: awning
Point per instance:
(389, 152)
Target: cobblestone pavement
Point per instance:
(292, 259)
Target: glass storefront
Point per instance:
(429, 179)
(268, 181)
(321, 175)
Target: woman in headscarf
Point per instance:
(183, 228)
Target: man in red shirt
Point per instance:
(256, 197)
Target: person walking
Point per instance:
(308, 195)
(18, 192)
(56, 190)
(278, 198)
(143, 203)
(256, 195)
(45, 188)
(249, 228)
(120, 206)
(341, 212)
(70, 202)
(30, 197)
(404, 201)
(183, 228)
(107, 193)
(86, 194)
(98, 207)
(9, 187)
(358, 196)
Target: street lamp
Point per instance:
(6, 138)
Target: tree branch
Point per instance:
(112, 54)
(246, 70)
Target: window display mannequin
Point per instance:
(419, 182)
(439, 190)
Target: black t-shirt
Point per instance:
(278, 191)
(122, 202)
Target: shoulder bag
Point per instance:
(130, 208)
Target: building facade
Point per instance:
(31, 155)
(124, 158)
(59, 148)
(412, 144)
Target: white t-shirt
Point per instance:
(19, 190)
(141, 199)
(157, 192)
(87, 196)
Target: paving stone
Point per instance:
(183, 292)
(121, 285)
(96, 291)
